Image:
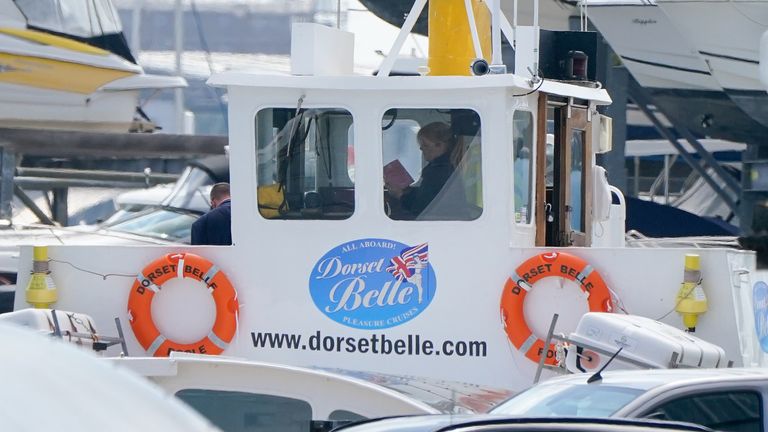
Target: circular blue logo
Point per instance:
(373, 283)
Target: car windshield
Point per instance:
(191, 190)
(164, 223)
(572, 400)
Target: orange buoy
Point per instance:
(182, 265)
(522, 281)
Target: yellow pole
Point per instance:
(41, 292)
(451, 50)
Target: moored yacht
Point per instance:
(727, 35)
(670, 67)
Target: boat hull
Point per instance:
(663, 61)
(727, 35)
(458, 335)
(30, 107)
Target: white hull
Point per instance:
(23, 106)
(652, 48)
(726, 33)
(553, 14)
(682, 81)
(466, 308)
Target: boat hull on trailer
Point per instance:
(668, 66)
(727, 35)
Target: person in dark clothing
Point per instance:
(215, 227)
(436, 143)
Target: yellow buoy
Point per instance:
(41, 291)
(691, 300)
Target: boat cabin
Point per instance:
(326, 150)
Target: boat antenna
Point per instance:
(596, 376)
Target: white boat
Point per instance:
(667, 63)
(48, 384)
(66, 65)
(727, 34)
(232, 392)
(326, 270)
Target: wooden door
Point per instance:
(564, 173)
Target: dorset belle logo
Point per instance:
(373, 283)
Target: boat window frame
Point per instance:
(305, 107)
(531, 202)
(478, 110)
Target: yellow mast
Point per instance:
(451, 50)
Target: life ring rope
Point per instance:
(182, 265)
(523, 280)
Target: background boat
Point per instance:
(66, 65)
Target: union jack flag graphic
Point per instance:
(405, 262)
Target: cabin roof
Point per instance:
(408, 83)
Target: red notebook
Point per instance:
(396, 175)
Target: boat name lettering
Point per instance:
(547, 268)
(550, 352)
(199, 273)
(334, 266)
(352, 297)
(198, 350)
(644, 21)
(161, 271)
(149, 278)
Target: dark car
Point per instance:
(490, 423)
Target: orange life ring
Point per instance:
(183, 265)
(527, 274)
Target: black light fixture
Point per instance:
(576, 65)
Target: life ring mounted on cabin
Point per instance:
(522, 281)
(182, 265)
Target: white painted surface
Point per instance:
(50, 385)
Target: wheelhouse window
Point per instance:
(522, 152)
(304, 163)
(432, 164)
